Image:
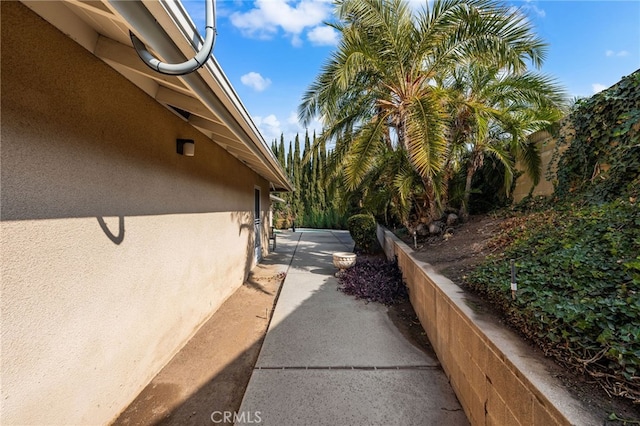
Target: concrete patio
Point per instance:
(330, 359)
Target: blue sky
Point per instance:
(272, 50)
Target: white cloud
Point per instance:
(255, 81)
(269, 127)
(614, 53)
(294, 126)
(323, 36)
(269, 16)
(531, 6)
(293, 118)
(597, 87)
(538, 11)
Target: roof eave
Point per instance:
(184, 32)
(215, 109)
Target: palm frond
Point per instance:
(362, 155)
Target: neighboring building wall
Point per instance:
(547, 145)
(115, 249)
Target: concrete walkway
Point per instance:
(329, 359)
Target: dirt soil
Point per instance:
(455, 256)
(210, 374)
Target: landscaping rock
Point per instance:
(452, 219)
(436, 227)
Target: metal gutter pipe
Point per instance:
(184, 67)
(138, 16)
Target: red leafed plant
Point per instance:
(375, 280)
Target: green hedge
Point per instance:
(362, 228)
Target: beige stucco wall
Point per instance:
(547, 145)
(114, 248)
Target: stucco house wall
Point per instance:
(115, 249)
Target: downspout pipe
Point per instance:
(138, 16)
(192, 64)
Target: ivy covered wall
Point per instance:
(596, 149)
(602, 136)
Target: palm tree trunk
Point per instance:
(446, 180)
(474, 165)
(464, 208)
(430, 192)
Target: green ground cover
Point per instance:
(578, 297)
(578, 253)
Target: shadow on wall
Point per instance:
(244, 220)
(115, 238)
(245, 223)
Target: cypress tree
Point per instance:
(297, 205)
(312, 203)
(322, 183)
(305, 178)
(290, 163)
(280, 154)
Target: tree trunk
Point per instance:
(475, 163)
(464, 208)
(431, 199)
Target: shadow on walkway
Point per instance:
(326, 359)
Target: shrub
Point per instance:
(578, 297)
(362, 228)
(375, 280)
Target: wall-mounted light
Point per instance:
(185, 147)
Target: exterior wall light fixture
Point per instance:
(185, 147)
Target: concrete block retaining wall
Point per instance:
(496, 376)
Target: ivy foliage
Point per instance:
(578, 276)
(578, 255)
(602, 141)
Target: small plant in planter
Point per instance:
(375, 280)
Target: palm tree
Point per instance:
(391, 189)
(377, 91)
(492, 112)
